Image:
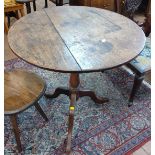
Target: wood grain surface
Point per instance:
(76, 39)
(21, 89)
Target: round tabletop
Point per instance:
(76, 39)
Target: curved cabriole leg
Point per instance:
(58, 91)
(74, 93)
(136, 85)
(16, 132)
(74, 83)
(92, 95)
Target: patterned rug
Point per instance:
(112, 128)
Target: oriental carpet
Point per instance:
(110, 129)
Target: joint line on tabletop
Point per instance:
(63, 40)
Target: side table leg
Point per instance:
(34, 5)
(46, 4)
(60, 2)
(28, 7)
(16, 132)
(6, 29)
(58, 91)
(37, 106)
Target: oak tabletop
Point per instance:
(21, 90)
(76, 39)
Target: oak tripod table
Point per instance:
(74, 39)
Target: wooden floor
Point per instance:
(8, 55)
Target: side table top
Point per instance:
(21, 90)
(76, 39)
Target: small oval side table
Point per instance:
(22, 90)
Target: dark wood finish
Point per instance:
(74, 94)
(66, 39)
(80, 93)
(85, 43)
(34, 5)
(16, 131)
(74, 87)
(91, 94)
(105, 4)
(21, 90)
(74, 81)
(139, 76)
(58, 2)
(80, 2)
(146, 26)
(28, 7)
(148, 10)
(37, 106)
(118, 6)
(58, 91)
(46, 4)
(47, 43)
(136, 85)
